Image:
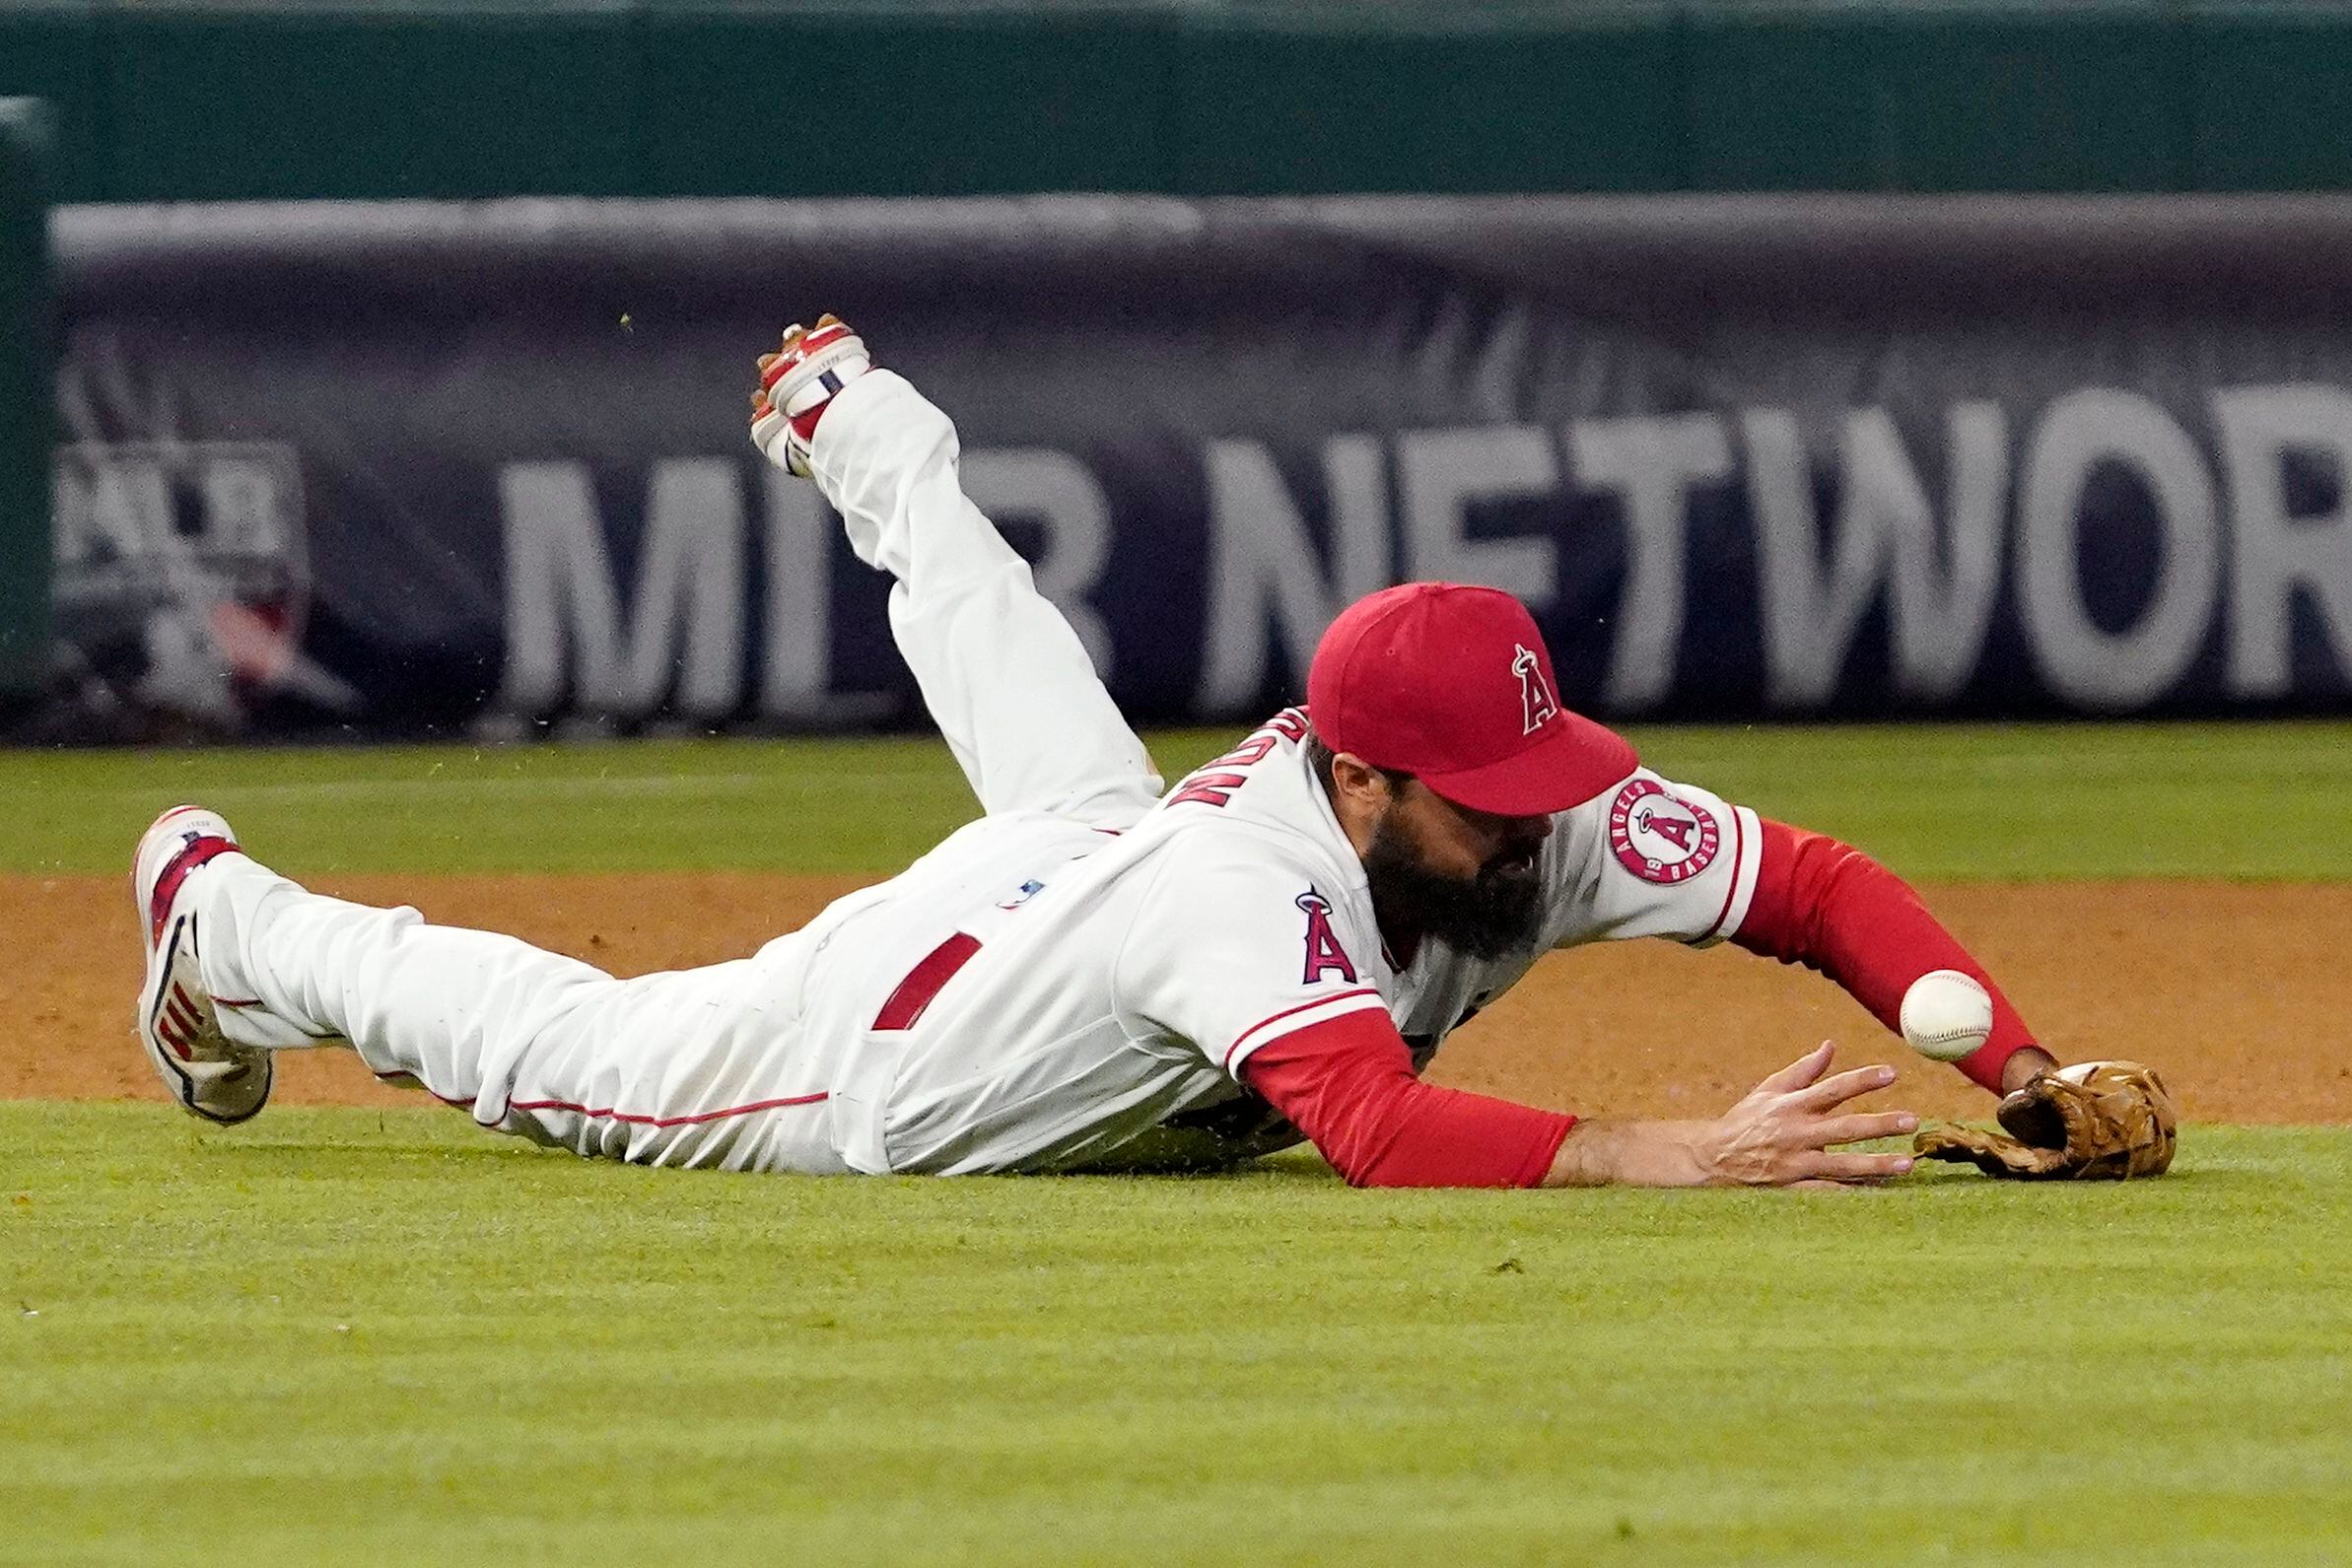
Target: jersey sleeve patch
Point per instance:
(1660, 837)
(1656, 858)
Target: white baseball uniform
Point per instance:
(1077, 979)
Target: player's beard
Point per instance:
(1484, 917)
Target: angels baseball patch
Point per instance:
(1658, 838)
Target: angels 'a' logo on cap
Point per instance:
(1535, 700)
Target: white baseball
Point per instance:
(1945, 1014)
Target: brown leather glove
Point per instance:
(2096, 1120)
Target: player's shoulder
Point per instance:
(1262, 787)
(1263, 767)
(1238, 856)
(1652, 827)
(1253, 815)
(1651, 856)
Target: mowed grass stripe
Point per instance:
(1950, 802)
(339, 1335)
(2040, 801)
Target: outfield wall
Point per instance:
(26, 327)
(385, 468)
(216, 100)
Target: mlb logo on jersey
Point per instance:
(1658, 838)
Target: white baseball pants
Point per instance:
(735, 1065)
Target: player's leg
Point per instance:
(1005, 677)
(695, 1068)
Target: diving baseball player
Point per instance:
(1097, 973)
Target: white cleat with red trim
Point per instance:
(797, 381)
(179, 1021)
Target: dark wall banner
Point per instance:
(25, 344)
(395, 467)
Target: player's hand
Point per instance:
(797, 383)
(2024, 1066)
(1785, 1132)
(767, 422)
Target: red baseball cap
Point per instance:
(1453, 685)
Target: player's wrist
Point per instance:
(2022, 1064)
(1632, 1154)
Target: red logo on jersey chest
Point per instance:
(1658, 838)
(1324, 951)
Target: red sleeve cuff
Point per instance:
(1348, 1085)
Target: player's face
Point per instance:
(1472, 879)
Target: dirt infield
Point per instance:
(2238, 992)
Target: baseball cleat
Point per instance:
(178, 1016)
(797, 382)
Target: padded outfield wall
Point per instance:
(179, 100)
(25, 328)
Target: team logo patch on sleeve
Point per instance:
(1658, 838)
(1324, 951)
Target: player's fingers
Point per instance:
(1835, 1090)
(1857, 1167)
(767, 359)
(1799, 1073)
(1859, 1129)
(826, 321)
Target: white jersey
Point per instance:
(1079, 978)
(1106, 993)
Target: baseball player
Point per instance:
(1098, 973)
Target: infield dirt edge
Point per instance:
(2234, 989)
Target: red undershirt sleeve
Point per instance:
(1348, 1085)
(1832, 907)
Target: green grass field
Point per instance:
(364, 1336)
(1944, 802)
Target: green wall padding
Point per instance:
(164, 100)
(25, 396)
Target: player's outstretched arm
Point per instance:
(1833, 908)
(1785, 1133)
(1659, 859)
(1348, 1085)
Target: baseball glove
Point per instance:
(2096, 1120)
